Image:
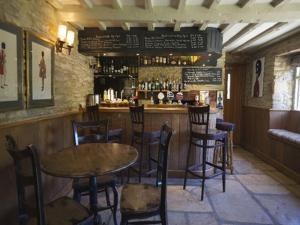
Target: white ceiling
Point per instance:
(246, 24)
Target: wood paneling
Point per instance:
(153, 121)
(256, 122)
(233, 106)
(49, 134)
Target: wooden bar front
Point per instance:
(177, 118)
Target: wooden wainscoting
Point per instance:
(48, 134)
(255, 124)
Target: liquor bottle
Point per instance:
(157, 60)
(157, 84)
(112, 66)
(146, 86)
(145, 60)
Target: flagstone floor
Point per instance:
(255, 194)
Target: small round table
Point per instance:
(89, 161)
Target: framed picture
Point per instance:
(258, 77)
(40, 58)
(11, 61)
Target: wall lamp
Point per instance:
(64, 36)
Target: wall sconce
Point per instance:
(63, 37)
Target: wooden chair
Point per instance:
(200, 135)
(138, 137)
(63, 211)
(114, 135)
(81, 186)
(141, 201)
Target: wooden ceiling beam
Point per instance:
(151, 26)
(86, 4)
(181, 4)
(241, 34)
(116, 4)
(203, 26)
(259, 36)
(227, 28)
(56, 4)
(101, 25)
(126, 26)
(274, 40)
(223, 14)
(210, 4)
(243, 3)
(277, 3)
(177, 26)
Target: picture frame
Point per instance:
(40, 67)
(11, 67)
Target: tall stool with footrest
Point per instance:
(138, 137)
(206, 139)
(229, 128)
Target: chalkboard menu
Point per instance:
(202, 76)
(146, 42)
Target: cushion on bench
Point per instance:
(285, 135)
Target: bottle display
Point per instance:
(126, 66)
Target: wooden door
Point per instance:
(233, 103)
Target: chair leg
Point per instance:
(164, 217)
(141, 162)
(115, 207)
(123, 221)
(107, 196)
(76, 195)
(230, 150)
(187, 164)
(149, 159)
(224, 163)
(203, 169)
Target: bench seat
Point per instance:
(286, 136)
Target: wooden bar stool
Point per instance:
(139, 137)
(201, 136)
(229, 128)
(114, 135)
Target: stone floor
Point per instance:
(255, 194)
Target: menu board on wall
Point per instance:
(201, 75)
(146, 42)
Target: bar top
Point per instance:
(152, 109)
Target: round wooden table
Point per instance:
(89, 161)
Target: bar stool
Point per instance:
(200, 134)
(139, 137)
(114, 135)
(229, 128)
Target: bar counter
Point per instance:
(176, 117)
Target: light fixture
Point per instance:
(63, 37)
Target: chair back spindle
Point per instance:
(27, 174)
(90, 132)
(93, 113)
(162, 165)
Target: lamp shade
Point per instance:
(70, 38)
(62, 32)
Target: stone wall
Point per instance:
(278, 77)
(73, 79)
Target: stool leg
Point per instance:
(149, 159)
(187, 163)
(225, 146)
(141, 161)
(230, 150)
(203, 168)
(215, 158)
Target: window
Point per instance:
(297, 89)
(228, 86)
